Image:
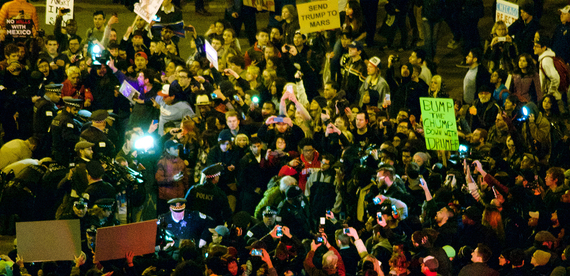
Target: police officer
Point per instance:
(45, 109)
(65, 130)
(186, 225)
(261, 229)
(208, 198)
(96, 135)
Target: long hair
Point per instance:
(357, 17)
(189, 130)
(492, 218)
(531, 68)
(293, 11)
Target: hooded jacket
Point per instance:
(539, 129)
(549, 77)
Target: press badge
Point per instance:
(49, 113)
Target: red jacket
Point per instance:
(68, 90)
(309, 168)
(168, 167)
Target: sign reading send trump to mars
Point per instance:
(318, 16)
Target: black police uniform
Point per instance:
(65, 132)
(194, 226)
(210, 200)
(102, 145)
(44, 112)
(258, 231)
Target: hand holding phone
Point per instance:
(256, 252)
(279, 231)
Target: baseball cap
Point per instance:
(221, 230)
(375, 61)
(141, 54)
(356, 44)
(431, 263)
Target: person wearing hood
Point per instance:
(484, 110)
(549, 77)
(538, 127)
(375, 85)
(415, 89)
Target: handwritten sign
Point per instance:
(507, 12)
(19, 28)
(268, 5)
(318, 16)
(50, 240)
(147, 9)
(439, 123)
(52, 8)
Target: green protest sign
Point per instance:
(440, 128)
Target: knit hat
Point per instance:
(294, 191)
(449, 251)
(541, 257)
(544, 236)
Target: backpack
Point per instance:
(501, 94)
(564, 74)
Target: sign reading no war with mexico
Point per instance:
(440, 127)
(318, 16)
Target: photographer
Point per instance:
(101, 82)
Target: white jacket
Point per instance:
(549, 83)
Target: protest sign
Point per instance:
(318, 16)
(52, 9)
(176, 27)
(19, 28)
(146, 9)
(129, 91)
(507, 12)
(268, 5)
(211, 54)
(440, 128)
(52, 240)
(114, 242)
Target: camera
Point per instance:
(346, 230)
(65, 11)
(279, 231)
(256, 252)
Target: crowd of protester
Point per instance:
(299, 154)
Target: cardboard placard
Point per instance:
(146, 9)
(177, 28)
(318, 16)
(114, 242)
(211, 54)
(440, 127)
(52, 8)
(51, 240)
(19, 28)
(268, 5)
(129, 91)
(507, 12)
